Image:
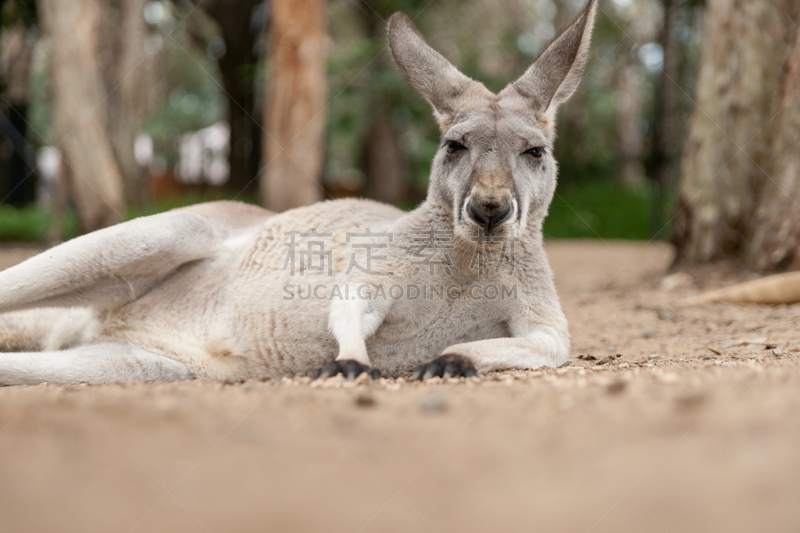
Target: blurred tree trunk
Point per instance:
(662, 152)
(385, 164)
(19, 181)
(129, 81)
(79, 114)
(630, 99)
(777, 222)
(237, 66)
(745, 45)
(295, 108)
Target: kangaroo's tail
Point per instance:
(776, 289)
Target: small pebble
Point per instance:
(615, 387)
(777, 352)
(649, 333)
(676, 281)
(365, 400)
(433, 403)
(611, 349)
(666, 315)
(653, 356)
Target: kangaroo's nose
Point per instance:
(488, 220)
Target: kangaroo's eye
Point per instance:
(536, 151)
(453, 147)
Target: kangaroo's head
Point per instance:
(495, 164)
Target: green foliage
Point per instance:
(601, 211)
(23, 11)
(32, 224)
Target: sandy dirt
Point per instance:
(693, 427)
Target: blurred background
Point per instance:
(116, 108)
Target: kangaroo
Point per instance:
(459, 286)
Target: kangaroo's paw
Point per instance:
(349, 368)
(446, 366)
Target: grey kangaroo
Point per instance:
(460, 285)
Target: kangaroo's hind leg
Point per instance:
(94, 363)
(47, 329)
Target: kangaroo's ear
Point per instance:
(431, 74)
(555, 75)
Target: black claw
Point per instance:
(450, 370)
(350, 369)
(445, 366)
(330, 369)
(434, 370)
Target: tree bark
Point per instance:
(386, 166)
(385, 163)
(631, 140)
(777, 222)
(295, 110)
(728, 145)
(129, 82)
(236, 66)
(19, 180)
(241, 123)
(79, 113)
(662, 153)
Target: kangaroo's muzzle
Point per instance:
(488, 217)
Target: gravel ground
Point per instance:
(667, 418)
